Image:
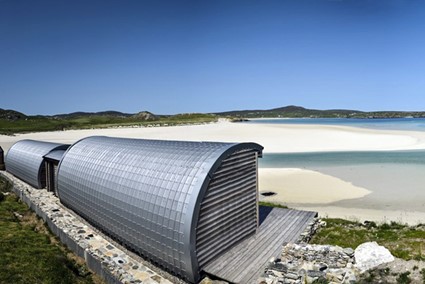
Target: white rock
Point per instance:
(370, 255)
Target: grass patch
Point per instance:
(270, 204)
(29, 252)
(5, 185)
(44, 123)
(404, 278)
(403, 241)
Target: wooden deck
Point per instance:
(245, 262)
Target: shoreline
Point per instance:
(274, 137)
(279, 139)
(335, 197)
(411, 218)
(292, 185)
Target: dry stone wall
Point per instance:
(103, 256)
(303, 263)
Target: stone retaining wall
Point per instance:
(304, 263)
(103, 256)
(117, 265)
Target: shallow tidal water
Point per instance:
(411, 124)
(396, 178)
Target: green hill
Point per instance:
(11, 114)
(12, 121)
(300, 112)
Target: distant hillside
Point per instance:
(300, 112)
(12, 122)
(11, 114)
(145, 115)
(91, 114)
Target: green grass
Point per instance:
(404, 278)
(29, 253)
(270, 204)
(5, 185)
(403, 241)
(41, 123)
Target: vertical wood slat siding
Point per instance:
(55, 185)
(233, 188)
(43, 175)
(51, 174)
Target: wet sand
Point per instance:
(297, 186)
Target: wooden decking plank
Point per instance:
(234, 254)
(252, 277)
(279, 226)
(308, 220)
(266, 240)
(299, 230)
(264, 256)
(261, 258)
(247, 254)
(255, 271)
(244, 251)
(269, 244)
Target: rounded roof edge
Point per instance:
(69, 149)
(54, 146)
(195, 203)
(214, 160)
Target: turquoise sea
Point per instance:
(396, 178)
(413, 124)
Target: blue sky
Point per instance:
(207, 56)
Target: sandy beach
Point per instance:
(310, 187)
(275, 138)
(294, 186)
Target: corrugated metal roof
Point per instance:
(145, 193)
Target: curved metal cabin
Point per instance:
(25, 160)
(179, 204)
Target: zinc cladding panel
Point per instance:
(138, 191)
(25, 160)
(55, 155)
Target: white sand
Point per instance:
(312, 191)
(294, 186)
(274, 137)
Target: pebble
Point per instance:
(348, 251)
(292, 276)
